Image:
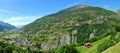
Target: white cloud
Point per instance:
(19, 21)
(106, 6)
(6, 11)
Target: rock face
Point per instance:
(55, 43)
(64, 40)
(74, 25)
(92, 34)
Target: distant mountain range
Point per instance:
(6, 27)
(20, 26)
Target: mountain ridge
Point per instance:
(6, 27)
(71, 27)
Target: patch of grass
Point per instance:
(1, 32)
(113, 49)
(12, 36)
(94, 47)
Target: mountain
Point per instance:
(118, 11)
(6, 26)
(72, 26)
(19, 26)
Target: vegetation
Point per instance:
(74, 25)
(66, 49)
(9, 48)
(51, 29)
(113, 49)
(101, 44)
(95, 46)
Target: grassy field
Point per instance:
(94, 47)
(113, 49)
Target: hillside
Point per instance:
(75, 25)
(9, 48)
(6, 26)
(118, 11)
(95, 46)
(113, 49)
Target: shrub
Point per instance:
(66, 49)
(93, 39)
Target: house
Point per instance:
(88, 45)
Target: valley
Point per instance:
(65, 31)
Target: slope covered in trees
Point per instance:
(66, 32)
(75, 25)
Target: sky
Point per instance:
(22, 12)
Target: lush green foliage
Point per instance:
(94, 48)
(66, 49)
(75, 24)
(84, 20)
(113, 49)
(9, 48)
(104, 46)
(101, 44)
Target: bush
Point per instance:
(117, 28)
(66, 49)
(93, 39)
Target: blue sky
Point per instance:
(22, 12)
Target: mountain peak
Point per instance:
(81, 6)
(74, 8)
